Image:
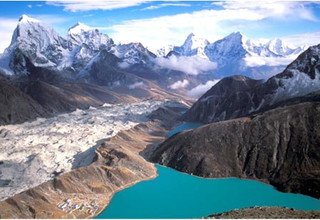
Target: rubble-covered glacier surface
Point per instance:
(34, 152)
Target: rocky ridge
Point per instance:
(279, 146)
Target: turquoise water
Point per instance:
(178, 195)
(182, 127)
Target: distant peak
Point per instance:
(275, 41)
(234, 37)
(25, 18)
(78, 28)
(192, 38)
(235, 34)
(191, 35)
(81, 25)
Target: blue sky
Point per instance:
(159, 23)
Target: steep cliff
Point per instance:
(17, 107)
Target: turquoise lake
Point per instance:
(178, 195)
(182, 127)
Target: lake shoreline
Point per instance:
(111, 172)
(126, 197)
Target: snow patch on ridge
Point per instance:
(300, 84)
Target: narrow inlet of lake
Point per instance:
(178, 195)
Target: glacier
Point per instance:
(34, 152)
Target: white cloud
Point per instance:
(190, 65)
(154, 7)
(179, 84)
(124, 65)
(173, 29)
(272, 8)
(210, 24)
(308, 39)
(87, 5)
(199, 90)
(254, 61)
(137, 85)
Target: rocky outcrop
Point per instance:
(17, 107)
(230, 98)
(280, 147)
(267, 212)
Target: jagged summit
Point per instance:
(190, 37)
(78, 28)
(25, 18)
(36, 43)
(193, 45)
(235, 35)
(193, 42)
(227, 50)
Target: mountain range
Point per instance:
(236, 54)
(86, 68)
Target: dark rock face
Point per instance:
(66, 97)
(17, 107)
(105, 71)
(280, 146)
(229, 98)
(239, 96)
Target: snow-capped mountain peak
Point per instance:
(83, 34)
(78, 28)
(26, 19)
(193, 45)
(235, 37)
(163, 51)
(33, 40)
(227, 49)
(277, 47)
(132, 53)
(30, 29)
(193, 42)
